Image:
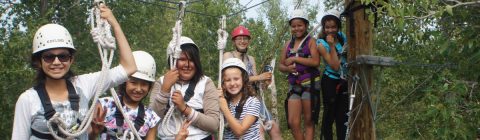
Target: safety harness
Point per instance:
(73, 98)
(297, 83)
(119, 119)
(189, 93)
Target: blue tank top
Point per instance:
(328, 70)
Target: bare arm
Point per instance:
(126, 58)
(258, 77)
(152, 133)
(227, 55)
(283, 56)
(330, 57)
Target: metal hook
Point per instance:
(181, 6)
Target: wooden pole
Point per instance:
(359, 36)
(43, 7)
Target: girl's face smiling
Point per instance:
(241, 43)
(186, 67)
(331, 28)
(232, 80)
(298, 27)
(56, 63)
(137, 89)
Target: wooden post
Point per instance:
(43, 7)
(359, 36)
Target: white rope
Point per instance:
(133, 132)
(264, 117)
(128, 135)
(273, 90)
(105, 43)
(173, 52)
(221, 43)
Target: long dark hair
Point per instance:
(36, 63)
(193, 54)
(247, 89)
(337, 21)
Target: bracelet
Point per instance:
(183, 112)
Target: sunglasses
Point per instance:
(242, 39)
(49, 58)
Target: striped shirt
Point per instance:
(251, 107)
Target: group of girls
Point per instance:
(58, 92)
(300, 58)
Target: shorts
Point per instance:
(305, 96)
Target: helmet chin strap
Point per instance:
(243, 51)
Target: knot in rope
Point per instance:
(100, 28)
(173, 49)
(222, 39)
(103, 37)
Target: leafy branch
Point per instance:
(448, 8)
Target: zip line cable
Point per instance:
(298, 4)
(248, 3)
(199, 13)
(247, 8)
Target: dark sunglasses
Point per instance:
(49, 58)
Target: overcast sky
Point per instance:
(253, 13)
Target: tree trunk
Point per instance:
(359, 34)
(43, 7)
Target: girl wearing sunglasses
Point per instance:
(57, 90)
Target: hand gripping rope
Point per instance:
(173, 52)
(105, 42)
(221, 43)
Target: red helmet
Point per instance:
(240, 30)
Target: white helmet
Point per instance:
(298, 13)
(146, 68)
(52, 36)
(183, 40)
(334, 12)
(234, 62)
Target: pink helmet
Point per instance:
(240, 30)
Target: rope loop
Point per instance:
(101, 30)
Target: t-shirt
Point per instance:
(29, 110)
(251, 107)
(151, 118)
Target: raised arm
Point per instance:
(126, 58)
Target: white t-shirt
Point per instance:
(29, 110)
(196, 102)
